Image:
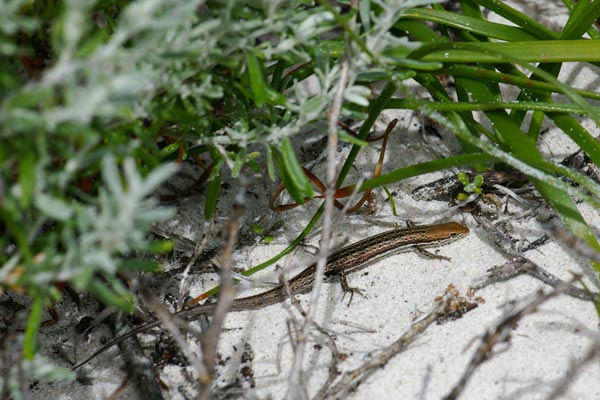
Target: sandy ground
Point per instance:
(255, 352)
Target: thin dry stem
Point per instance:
(500, 333)
(350, 380)
(556, 228)
(296, 389)
(169, 322)
(140, 371)
(118, 392)
(519, 264)
(210, 337)
(198, 249)
(575, 368)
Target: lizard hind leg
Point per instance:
(349, 289)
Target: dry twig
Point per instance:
(519, 264)
(210, 337)
(198, 249)
(139, 371)
(574, 369)
(350, 380)
(296, 389)
(501, 333)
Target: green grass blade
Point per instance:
(526, 22)
(548, 51)
(486, 106)
(294, 170)
(427, 167)
(469, 24)
(33, 326)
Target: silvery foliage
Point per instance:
(117, 223)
